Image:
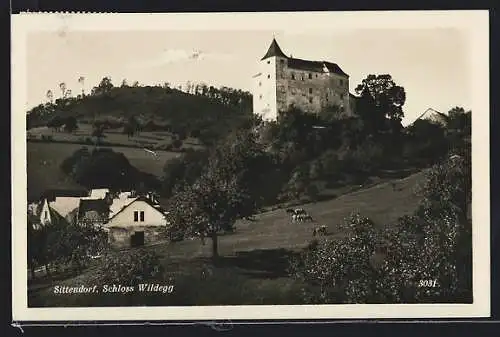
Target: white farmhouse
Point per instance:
(139, 222)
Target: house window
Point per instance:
(268, 76)
(310, 90)
(268, 62)
(310, 76)
(310, 99)
(302, 77)
(293, 76)
(282, 61)
(260, 96)
(260, 84)
(316, 75)
(341, 82)
(136, 216)
(142, 216)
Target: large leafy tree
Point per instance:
(224, 192)
(381, 102)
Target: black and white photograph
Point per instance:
(250, 165)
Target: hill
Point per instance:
(207, 112)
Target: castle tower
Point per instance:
(312, 86)
(269, 95)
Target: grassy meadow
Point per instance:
(44, 160)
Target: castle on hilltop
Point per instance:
(283, 82)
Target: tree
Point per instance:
(386, 264)
(55, 123)
(98, 132)
(70, 124)
(131, 127)
(381, 99)
(183, 171)
(81, 81)
(35, 245)
(223, 193)
(50, 96)
(62, 86)
(105, 86)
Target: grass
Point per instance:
(156, 139)
(252, 268)
(44, 160)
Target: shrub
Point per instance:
(333, 268)
(130, 268)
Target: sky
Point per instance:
(431, 64)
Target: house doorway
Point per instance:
(137, 239)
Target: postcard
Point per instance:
(250, 166)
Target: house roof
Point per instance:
(52, 194)
(274, 50)
(433, 116)
(99, 193)
(64, 205)
(157, 207)
(97, 205)
(118, 204)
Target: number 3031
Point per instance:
(427, 283)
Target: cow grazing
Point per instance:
(321, 230)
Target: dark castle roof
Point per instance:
(299, 64)
(316, 66)
(274, 50)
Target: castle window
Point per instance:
(310, 90)
(310, 76)
(310, 99)
(302, 77)
(293, 76)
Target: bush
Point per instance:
(388, 266)
(131, 268)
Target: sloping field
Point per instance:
(383, 203)
(44, 160)
(253, 259)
